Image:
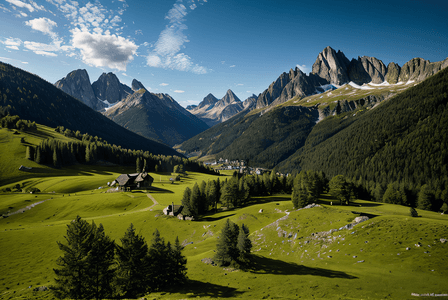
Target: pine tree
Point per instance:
(73, 265)
(133, 264)
(56, 158)
(244, 244)
(29, 153)
(101, 262)
(178, 263)
(38, 156)
(195, 200)
(186, 202)
(158, 261)
(226, 249)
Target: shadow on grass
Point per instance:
(194, 289)
(211, 219)
(264, 265)
(154, 189)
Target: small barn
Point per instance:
(128, 182)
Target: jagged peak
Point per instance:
(137, 85)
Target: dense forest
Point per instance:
(399, 146)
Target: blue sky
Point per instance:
(191, 48)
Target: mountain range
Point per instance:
(34, 99)
(333, 95)
(213, 111)
(156, 116)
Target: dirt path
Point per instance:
(22, 210)
(153, 200)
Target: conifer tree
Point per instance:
(29, 153)
(186, 202)
(133, 264)
(226, 249)
(158, 261)
(73, 265)
(244, 244)
(195, 200)
(38, 155)
(178, 263)
(101, 261)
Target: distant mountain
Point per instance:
(213, 111)
(35, 99)
(109, 89)
(104, 92)
(157, 116)
(335, 68)
(77, 84)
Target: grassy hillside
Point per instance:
(295, 254)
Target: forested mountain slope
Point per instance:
(405, 139)
(35, 99)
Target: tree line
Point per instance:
(233, 192)
(94, 267)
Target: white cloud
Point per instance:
(44, 25)
(104, 50)
(232, 66)
(166, 53)
(12, 43)
(19, 3)
(164, 84)
(239, 84)
(179, 91)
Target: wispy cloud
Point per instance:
(167, 50)
(12, 43)
(164, 84)
(179, 91)
(32, 6)
(232, 66)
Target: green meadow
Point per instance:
(307, 253)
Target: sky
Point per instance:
(190, 48)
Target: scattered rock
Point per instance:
(360, 261)
(407, 248)
(443, 241)
(260, 211)
(354, 256)
(40, 289)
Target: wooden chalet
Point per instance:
(128, 182)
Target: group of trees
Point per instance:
(234, 246)
(94, 267)
(233, 192)
(87, 149)
(14, 122)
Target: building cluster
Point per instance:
(237, 165)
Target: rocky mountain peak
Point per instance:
(137, 85)
(331, 66)
(108, 88)
(207, 101)
(230, 97)
(77, 84)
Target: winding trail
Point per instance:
(153, 200)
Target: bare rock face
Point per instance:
(331, 66)
(300, 86)
(208, 101)
(367, 69)
(418, 69)
(109, 88)
(77, 84)
(393, 71)
(137, 85)
(274, 90)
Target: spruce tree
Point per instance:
(73, 272)
(195, 200)
(178, 264)
(101, 272)
(133, 264)
(186, 210)
(158, 261)
(244, 244)
(226, 249)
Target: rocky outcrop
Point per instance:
(77, 84)
(367, 69)
(393, 72)
(347, 106)
(137, 85)
(418, 69)
(109, 88)
(274, 90)
(331, 66)
(209, 101)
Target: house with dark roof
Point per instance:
(128, 182)
(173, 210)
